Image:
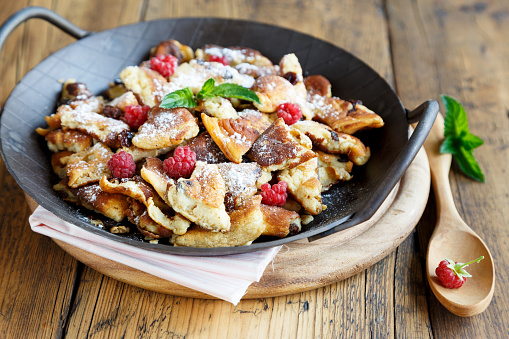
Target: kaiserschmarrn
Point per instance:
(239, 146)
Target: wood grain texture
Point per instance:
(454, 48)
(36, 304)
(422, 47)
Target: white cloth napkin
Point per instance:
(225, 277)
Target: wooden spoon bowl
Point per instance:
(454, 239)
(476, 293)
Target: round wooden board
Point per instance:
(303, 265)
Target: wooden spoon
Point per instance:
(453, 239)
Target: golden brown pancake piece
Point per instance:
(201, 198)
(149, 86)
(206, 149)
(100, 127)
(280, 147)
(272, 90)
(246, 226)
(343, 116)
(233, 136)
(182, 52)
(153, 172)
(157, 209)
(304, 185)
(260, 121)
(279, 222)
(240, 182)
(138, 215)
(94, 198)
(327, 140)
(318, 85)
(70, 140)
(88, 166)
(166, 128)
(331, 169)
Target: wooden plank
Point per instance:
(37, 277)
(411, 315)
(10, 51)
(380, 298)
(119, 310)
(157, 9)
(455, 48)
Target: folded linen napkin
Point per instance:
(225, 277)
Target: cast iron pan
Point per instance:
(97, 58)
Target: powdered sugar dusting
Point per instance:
(194, 74)
(233, 55)
(90, 193)
(239, 178)
(85, 118)
(319, 104)
(247, 113)
(164, 122)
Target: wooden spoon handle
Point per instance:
(440, 165)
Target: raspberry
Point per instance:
(136, 115)
(164, 64)
(290, 113)
(122, 165)
(221, 59)
(275, 195)
(451, 274)
(181, 165)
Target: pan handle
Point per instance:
(427, 112)
(41, 13)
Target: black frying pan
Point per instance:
(97, 58)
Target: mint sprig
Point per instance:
(458, 139)
(185, 98)
(227, 90)
(179, 98)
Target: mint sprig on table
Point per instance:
(458, 139)
(185, 98)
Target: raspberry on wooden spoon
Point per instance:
(451, 274)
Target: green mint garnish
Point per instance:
(206, 89)
(185, 98)
(458, 139)
(180, 98)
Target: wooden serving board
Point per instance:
(303, 265)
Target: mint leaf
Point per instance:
(449, 145)
(206, 89)
(179, 98)
(458, 139)
(468, 164)
(455, 119)
(235, 91)
(185, 98)
(471, 141)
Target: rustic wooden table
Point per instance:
(423, 48)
